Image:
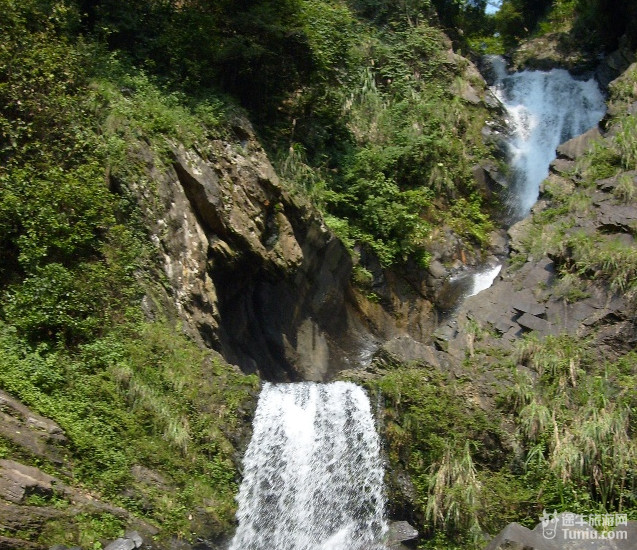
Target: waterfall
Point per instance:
(544, 109)
(313, 477)
(484, 279)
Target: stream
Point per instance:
(313, 476)
(543, 110)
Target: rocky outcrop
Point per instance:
(563, 532)
(550, 51)
(531, 298)
(25, 428)
(19, 483)
(399, 532)
(28, 493)
(130, 541)
(252, 271)
(222, 220)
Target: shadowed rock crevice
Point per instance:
(252, 271)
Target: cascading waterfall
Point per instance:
(313, 477)
(544, 109)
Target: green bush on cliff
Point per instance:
(575, 421)
(450, 450)
(560, 437)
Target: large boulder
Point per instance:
(564, 531)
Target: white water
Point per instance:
(544, 109)
(313, 478)
(484, 279)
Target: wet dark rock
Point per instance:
(495, 136)
(400, 531)
(488, 178)
(613, 65)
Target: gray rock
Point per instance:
(400, 531)
(517, 537)
(17, 481)
(563, 534)
(517, 233)
(135, 537)
(121, 544)
(538, 273)
(437, 270)
(576, 147)
(498, 243)
(39, 435)
(562, 166)
(405, 349)
(525, 304)
(534, 323)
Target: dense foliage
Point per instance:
(75, 261)
(561, 432)
(360, 105)
(597, 25)
(560, 438)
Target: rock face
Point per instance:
(222, 220)
(39, 435)
(252, 271)
(399, 532)
(531, 298)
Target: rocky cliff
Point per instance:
(252, 271)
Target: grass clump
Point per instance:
(440, 440)
(575, 423)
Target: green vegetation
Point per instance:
(75, 261)
(358, 111)
(558, 438)
(574, 417)
(451, 450)
(135, 396)
(560, 431)
(360, 104)
(594, 25)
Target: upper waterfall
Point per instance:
(544, 109)
(313, 478)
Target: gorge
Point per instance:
(229, 239)
(299, 491)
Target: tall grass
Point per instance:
(454, 492)
(574, 422)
